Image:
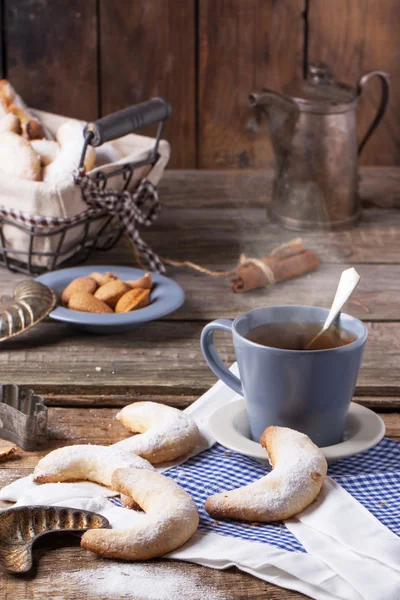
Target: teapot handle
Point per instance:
(385, 87)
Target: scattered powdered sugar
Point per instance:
(150, 581)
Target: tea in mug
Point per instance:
(295, 336)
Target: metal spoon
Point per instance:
(347, 284)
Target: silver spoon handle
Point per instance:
(347, 284)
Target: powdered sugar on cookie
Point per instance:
(163, 433)
(86, 462)
(169, 519)
(299, 470)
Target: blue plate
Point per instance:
(166, 296)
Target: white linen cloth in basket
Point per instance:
(340, 550)
(65, 200)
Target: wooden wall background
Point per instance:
(87, 58)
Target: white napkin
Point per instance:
(347, 537)
(350, 554)
(25, 491)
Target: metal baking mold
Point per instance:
(23, 417)
(21, 526)
(32, 302)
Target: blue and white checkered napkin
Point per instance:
(372, 478)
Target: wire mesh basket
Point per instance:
(48, 243)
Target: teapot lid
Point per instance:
(320, 88)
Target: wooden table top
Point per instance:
(209, 218)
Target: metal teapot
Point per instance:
(313, 131)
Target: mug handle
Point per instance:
(212, 357)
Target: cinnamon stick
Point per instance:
(285, 263)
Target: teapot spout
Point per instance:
(264, 98)
(282, 115)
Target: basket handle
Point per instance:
(127, 121)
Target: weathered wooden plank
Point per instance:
(378, 403)
(241, 45)
(112, 400)
(379, 186)
(218, 237)
(68, 426)
(231, 188)
(153, 45)
(51, 51)
(160, 359)
(355, 36)
(180, 401)
(375, 299)
(75, 574)
(392, 422)
(221, 235)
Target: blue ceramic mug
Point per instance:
(308, 390)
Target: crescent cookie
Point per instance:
(47, 150)
(18, 158)
(10, 122)
(70, 138)
(85, 462)
(299, 470)
(165, 433)
(170, 518)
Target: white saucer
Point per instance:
(229, 425)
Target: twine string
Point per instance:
(266, 269)
(243, 261)
(199, 268)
